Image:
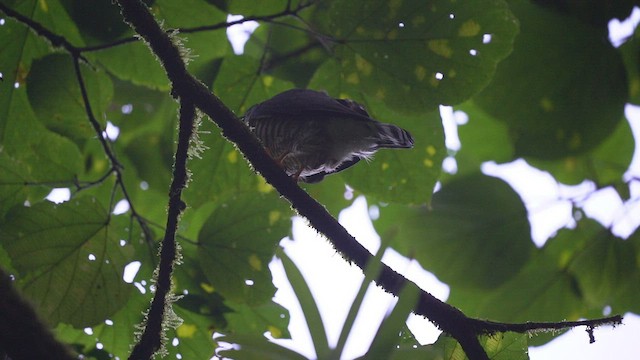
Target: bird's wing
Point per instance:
(304, 102)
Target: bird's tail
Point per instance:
(391, 136)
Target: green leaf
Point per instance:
(13, 176)
(482, 138)
(54, 94)
(99, 21)
(237, 243)
(508, 346)
(139, 111)
(474, 235)
(50, 157)
(267, 7)
(256, 320)
(601, 263)
(116, 336)
(606, 164)
(402, 176)
(570, 90)
(134, 62)
(630, 51)
(69, 260)
(19, 49)
(307, 304)
(53, 16)
(240, 84)
(194, 336)
(410, 54)
(220, 171)
(628, 290)
(540, 291)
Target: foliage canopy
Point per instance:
(538, 81)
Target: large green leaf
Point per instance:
(54, 94)
(69, 259)
(99, 21)
(628, 290)
(46, 156)
(267, 7)
(601, 263)
(194, 336)
(411, 54)
(482, 138)
(134, 62)
(241, 85)
(507, 346)
(13, 176)
(630, 51)
(570, 90)
(474, 235)
(237, 243)
(51, 157)
(539, 292)
(19, 48)
(257, 320)
(115, 334)
(605, 164)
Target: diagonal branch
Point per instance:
(448, 318)
(186, 86)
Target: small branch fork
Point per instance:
(193, 94)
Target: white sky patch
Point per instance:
(59, 195)
(111, 132)
(130, 271)
(127, 109)
(619, 31)
(121, 207)
(449, 123)
(239, 34)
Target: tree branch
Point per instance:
(156, 320)
(23, 336)
(185, 86)
(222, 25)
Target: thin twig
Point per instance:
(212, 27)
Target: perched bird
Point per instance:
(311, 134)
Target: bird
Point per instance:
(311, 134)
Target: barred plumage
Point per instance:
(312, 134)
